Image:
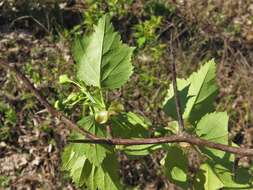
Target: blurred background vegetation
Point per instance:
(37, 36)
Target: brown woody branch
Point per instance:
(71, 125)
(169, 139)
(118, 141)
(175, 89)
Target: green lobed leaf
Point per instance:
(213, 127)
(223, 169)
(129, 125)
(132, 125)
(176, 166)
(103, 60)
(84, 173)
(79, 46)
(73, 159)
(202, 92)
(196, 94)
(104, 177)
(206, 178)
(221, 166)
(95, 153)
(169, 105)
(243, 179)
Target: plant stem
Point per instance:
(175, 89)
(71, 125)
(169, 139)
(102, 97)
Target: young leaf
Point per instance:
(223, 167)
(104, 177)
(176, 165)
(243, 179)
(169, 102)
(110, 169)
(132, 125)
(196, 94)
(64, 79)
(95, 153)
(214, 127)
(105, 61)
(206, 178)
(129, 125)
(73, 160)
(79, 46)
(84, 173)
(202, 92)
(87, 122)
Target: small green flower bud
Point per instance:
(102, 117)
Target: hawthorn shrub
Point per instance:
(104, 64)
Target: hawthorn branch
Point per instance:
(71, 125)
(175, 89)
(169, 139)
(91, 138)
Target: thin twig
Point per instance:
(118, 141)
(31, 17)
(175, 89)
(71, 125)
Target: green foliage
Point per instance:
(84, 173)
(94, 153)
(202, 92)
(159, 8)
(214, 127)
(8, 118)
(64, 78)
(146, 32)
(104, 63)
(217, 173)
(169, 103)
(208, 179)
(175, 166)
(98, 8)
(4, 181)
(9, 114)
(197, 94)
(128, 125)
